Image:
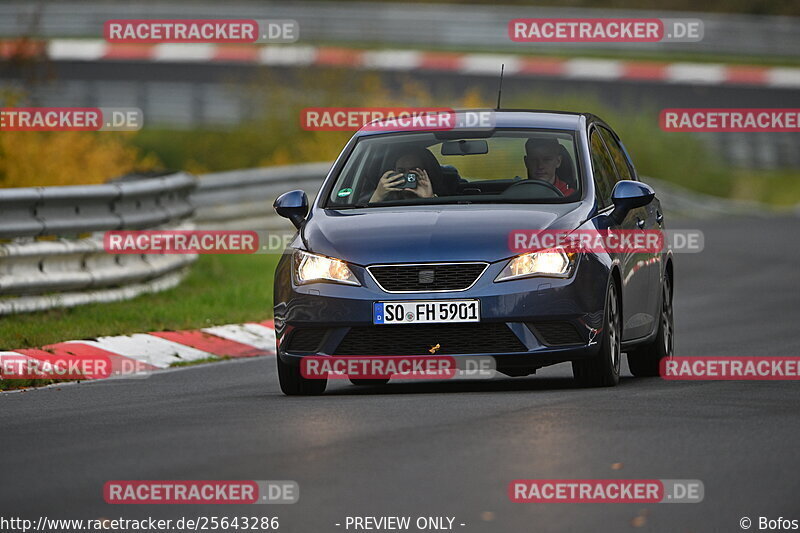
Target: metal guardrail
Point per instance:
(446, 25)
(54, 256)
(51, 238)
(242, 199)
(76, 209)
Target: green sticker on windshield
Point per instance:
(344, 192)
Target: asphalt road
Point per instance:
(451, 448)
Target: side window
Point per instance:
(617, 154)
(605, 176)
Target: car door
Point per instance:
(649, 218)
(635, 283)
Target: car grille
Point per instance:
(557, 333)
(417, 339)
(427, 277)
(305, 339)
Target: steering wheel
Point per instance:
(517, 189)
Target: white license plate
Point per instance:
(426, 312)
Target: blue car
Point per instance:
(407, 251)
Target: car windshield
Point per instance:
(503, 166)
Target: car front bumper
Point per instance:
(525, 324)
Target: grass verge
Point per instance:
(220, 289)
(181, 364)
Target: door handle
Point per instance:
(639, 223)
(659, 217)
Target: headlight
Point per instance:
(553, 263)
(312, 267)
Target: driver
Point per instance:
(542, 159)
(411, 160)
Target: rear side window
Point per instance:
(617, 154)
(605, 176)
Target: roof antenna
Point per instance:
(500, 89)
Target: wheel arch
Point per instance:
(669, 273)
(617, 278)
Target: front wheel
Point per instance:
(602, 370)
(294, 384)
(645, 360)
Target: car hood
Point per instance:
(430, 233)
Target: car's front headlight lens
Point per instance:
(554, 263)
(309, 268)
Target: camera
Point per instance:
(409, 181)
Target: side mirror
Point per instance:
(292, 205)
(629, 195)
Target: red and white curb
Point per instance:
(145, 352)
(408, 60)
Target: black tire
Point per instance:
(645, 360)
(369, 382)
(294, 384)
(602, 370)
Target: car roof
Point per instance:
(510, 118)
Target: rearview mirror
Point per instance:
(462, 147)
(627, 195)
(292, 205)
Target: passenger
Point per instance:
(542, 160)
(414, 161)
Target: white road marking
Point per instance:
(593, 69)
(184, 52)
(695, 73)
(392, 59)
(148, 349)
(72, 49)
(255, 335)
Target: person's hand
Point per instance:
(424, 188)
(388, 183)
